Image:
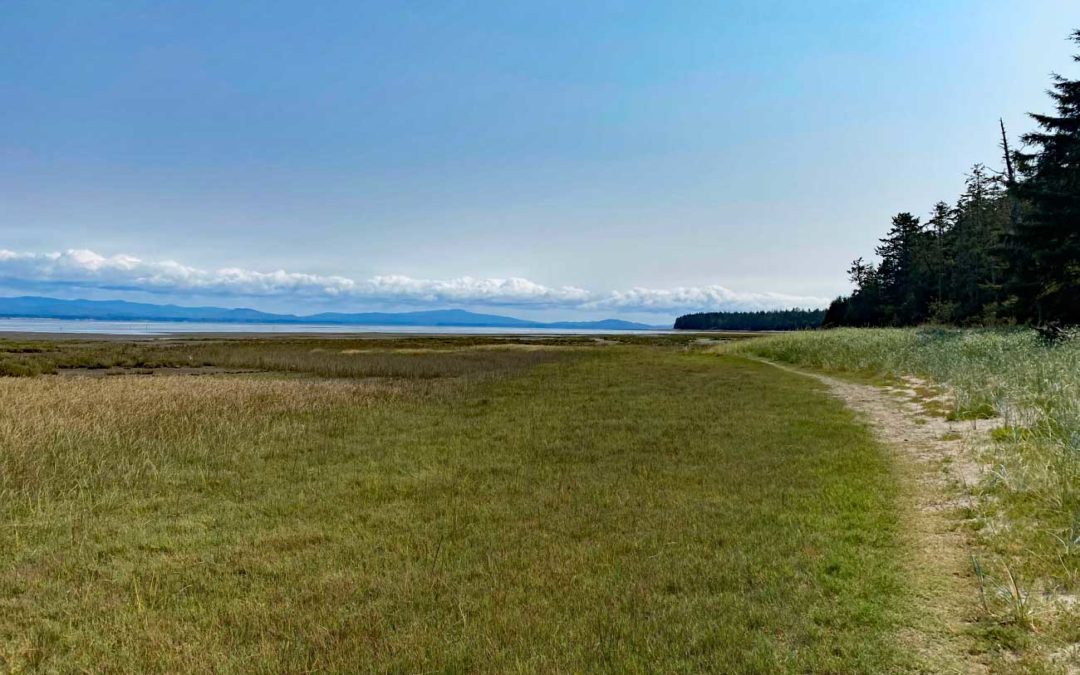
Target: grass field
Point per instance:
(412, 506)
(1026, 511)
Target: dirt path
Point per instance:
(935, 462)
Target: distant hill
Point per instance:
(31, 307)
(437, 317)
(787, 319)
(603, 324)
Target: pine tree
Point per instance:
(978, 270)
(837, 313)
(864, 307)
(940, 261)
(1049, 232)
(902, 271)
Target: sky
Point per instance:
(567, 160)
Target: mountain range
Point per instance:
(34, 307)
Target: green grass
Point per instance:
(1027, 510)
(615, 509)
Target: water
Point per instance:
(92, 327)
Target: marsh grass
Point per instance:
(620, 509)
(1030, 496)
(341, 356)
(322, 357)
(91, 435)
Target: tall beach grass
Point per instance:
(1028, 511)
(1011, 373)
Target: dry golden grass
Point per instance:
(62, 434)
(327, 357)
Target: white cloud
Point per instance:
(701, 298)
(82, 269)
(513, 291)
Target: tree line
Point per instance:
(1006, 251)
(788, 319)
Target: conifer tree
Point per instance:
(1008, 250)
(979, 229)
(940, 261)
(865, 306)
(902, 272)
(1048, 288)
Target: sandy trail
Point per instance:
(934, 460)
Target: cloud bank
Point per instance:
(81, 269)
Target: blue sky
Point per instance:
(549, 159)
